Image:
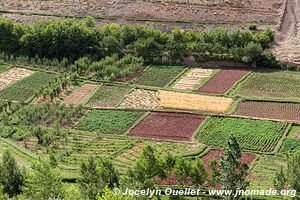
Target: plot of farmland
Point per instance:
(263, 174)
(108, 96)
(183, 101)
(80, 95)
(270, 110)
(12, 76)
(158, 76)
(108, 121)
(24, 89)
(271, 84)
(141, 99)
(192, 78)
(223, 81)
(168, 126)
(256, 135)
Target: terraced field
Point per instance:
(168, 126)
(193, 78)
(80, 95)
(270, 110)
(255, 135)
(24, 89)
(271, 84)
(13, 75)
(158, 76)
(108, 121)
(108, 96)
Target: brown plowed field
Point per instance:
(223, 81)
(270, 110)
(265, 11)
(168, 126)
(80, 95)
(13, 75)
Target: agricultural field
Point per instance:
(80, 95)
(263, 173)
(223, 81)
(13, 75)
(158, 76)
(271, 84)
(254, 135)
(108, 96)
(108, 121)
(24, 89)
(3, 66)
(168, 126)
(184, 101)
(193, 78)
(141, 99)
(270, 110)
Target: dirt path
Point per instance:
(287, 47)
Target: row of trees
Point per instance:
(99, 177)
(72, 40)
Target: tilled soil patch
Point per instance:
(13, 75)
(223, 81)
(141, 99)
(168, 126)
(80, 95)
(270, 110)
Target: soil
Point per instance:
(13, 75)
(287, 42)
(189, 81)
(265, 11)
(223, 80)
(168, 126)
(133, 75)
(141, 99)
(79, 95)
(270, 110)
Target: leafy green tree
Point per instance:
(11, 177)
(182, 170)
(198, 173)
(109, 195)
(232, 172)
(97, 176)
(280, 180)
(44, 182)
(294, 170)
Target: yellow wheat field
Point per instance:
(183, 101)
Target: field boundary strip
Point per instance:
(281, 140)
(235, 86)
(178, 77)
(135, 78)
(90, 96)
(137, 122)
(203, 82)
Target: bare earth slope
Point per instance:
(287, 47)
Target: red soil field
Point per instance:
(168, 126)
(270, 110)
(223, 80)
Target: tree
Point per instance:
(182, 170)
(11, 177)
(198, 173)
(294, 170)
(280, 180)
(109, 195)
(97, 176)
(44, 182)
(232, 172)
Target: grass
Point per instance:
(255, 135)
(24, 89)
(158, 76)
(108, 96)
(271, 84)
(290, 145)
(108, 121)
(263, 173)
(3, 67)
(295, 130)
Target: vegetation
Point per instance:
(158, 76)
(257, 135)
(26, 88)
(108, 121)
(108, 96)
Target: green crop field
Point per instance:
(108, 96)
(158, 76)
(24, 89)
(262, 175)
(271, 84)
(256, 135)
(290, 145)
(108, 121)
